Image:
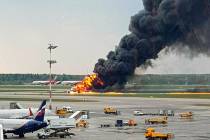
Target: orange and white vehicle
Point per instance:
(150, 134)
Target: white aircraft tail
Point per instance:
(55, 78)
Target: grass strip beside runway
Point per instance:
(39, 99)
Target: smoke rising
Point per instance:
(176, 62)
(162, 23)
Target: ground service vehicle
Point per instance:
(150, 134)
(105, 125)
(138, 113)
(166, 112)
(111, 110)
(82, 123)
(55, 133)
(132, 123)
(119, 123)
(186, 115)
(64, 111)
(58, 128)
(158, 120)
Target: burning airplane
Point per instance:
(161, 24)
(88, 84)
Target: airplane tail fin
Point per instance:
(41, 112)
(55, 78)
(30, 112)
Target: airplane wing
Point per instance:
(21, 117)
(29, 116)
(17, 117)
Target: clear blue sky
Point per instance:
(85, 30)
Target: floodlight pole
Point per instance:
(50, 74)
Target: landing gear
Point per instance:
(21, 135)
(5, 136)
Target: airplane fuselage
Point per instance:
(19, 113)
(21, 126)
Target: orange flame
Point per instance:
(86, 84)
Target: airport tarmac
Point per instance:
(184, 129)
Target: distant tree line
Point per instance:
(171, 79)
(20, 79)
(148, 79)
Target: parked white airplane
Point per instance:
(53, 81)
(21, 113)
(22, 126)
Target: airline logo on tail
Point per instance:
(41, 112)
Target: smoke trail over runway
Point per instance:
(162, 23)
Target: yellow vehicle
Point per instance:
(150, 134)
(111, 110)
(159, 120)
(60, 112)
(186, 115)
(82, 123)
(64, 111)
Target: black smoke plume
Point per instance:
(161, 24)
